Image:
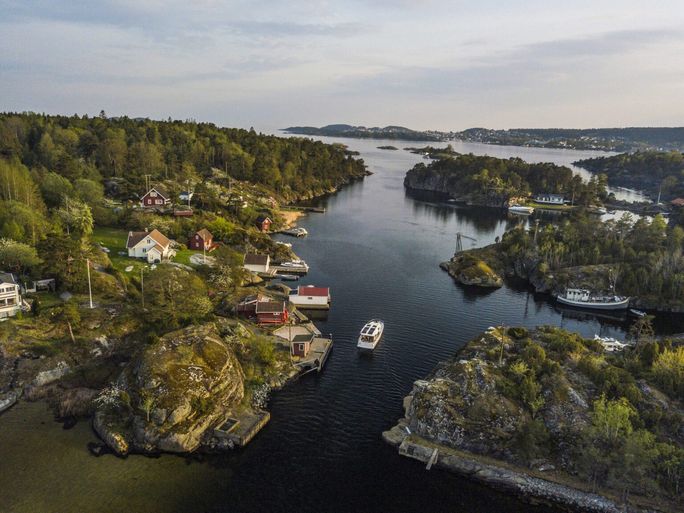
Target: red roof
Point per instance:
(313, 291)
(678, 202)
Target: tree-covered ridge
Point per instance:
(492, 180)
(653, 171)
(101, 148)
(609, 139)
(642, 259)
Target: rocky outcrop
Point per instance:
(471, 271)
(444, 182)
(493, 414)
(172, 394)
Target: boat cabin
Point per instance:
(578, 294)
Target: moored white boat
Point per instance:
(582, 298)
(521, 209)
(371, 334)
(610, 344)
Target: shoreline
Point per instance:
(501, 476)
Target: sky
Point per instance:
(425, 64)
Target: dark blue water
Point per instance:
(378, 250)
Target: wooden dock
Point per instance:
(318, 355)
(277, 268)
(317, 210)
(243, 427)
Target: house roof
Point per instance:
(7, 278)
(303, 338)
(252, 259)
(134, 238)
(270, 307)
(678, 202)
(204, 234)
(313, 291)
(160, 190)
(262, 218)
(158, 248)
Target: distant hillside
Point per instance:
(362, 132)
(606, 139)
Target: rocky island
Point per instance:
(550, 416)
(493, 182)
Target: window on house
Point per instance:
(153, 194)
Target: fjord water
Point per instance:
(378, 249)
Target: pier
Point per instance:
(317, 356)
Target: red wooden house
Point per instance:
(264, 223)
(301, 345)
(156, 197)
(202, 240)
(271, 312)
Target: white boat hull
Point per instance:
(370, 344)
(595, 305)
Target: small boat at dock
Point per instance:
(636, 313)
(611, 345)
(288, 277)
(371, 334)
(520, 209)
(296, 232)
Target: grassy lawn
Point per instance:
(183, 256)
(114, 239)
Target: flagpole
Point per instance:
(90, 290)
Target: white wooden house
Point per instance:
(10, 299)
(257, 263)
(153, 246)
(311, 297)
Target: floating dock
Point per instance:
(285, 269)
(317, 356)
(243, 427)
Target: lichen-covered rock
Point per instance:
(172, 393)
(471, 271)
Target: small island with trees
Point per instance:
(552, 417)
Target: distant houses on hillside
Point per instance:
(264, 223)
(156, 197)
(550, 199)
(202, 240)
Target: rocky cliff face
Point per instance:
(444, 182)
(172, 394)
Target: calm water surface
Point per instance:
(379, 251)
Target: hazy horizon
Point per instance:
(425, 64)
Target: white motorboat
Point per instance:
(371, 334)
(521, 209)
(610, 344)
(582, 298)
